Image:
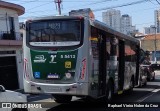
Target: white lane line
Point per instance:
(144, 98)
(148, 95)
(156, 90)
(49, 100)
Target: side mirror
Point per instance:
(2, 89)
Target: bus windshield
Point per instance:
(55, 33)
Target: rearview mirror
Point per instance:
(2, 89)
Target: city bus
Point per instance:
(68, 56)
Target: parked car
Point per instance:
(155, 66)
(148, 69)
(7, 96)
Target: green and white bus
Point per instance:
(76, 56)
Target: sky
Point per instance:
(141, 11)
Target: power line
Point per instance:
(158, 2)
(38, 6)
(70, 1)
(122, 5)
(52, 1)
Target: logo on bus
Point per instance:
(53, 58)
(39, 59)
(68, 64)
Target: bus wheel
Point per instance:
(109, 94)
(62, 98)
(89, 100)
(140, 82)
(131, 86)
(153, 78)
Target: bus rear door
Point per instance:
(102, 65)
(121, 66)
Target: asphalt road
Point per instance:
(148, 95)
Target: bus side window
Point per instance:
(94, 42)
(142, 56)
(113, 48)
(108, 48)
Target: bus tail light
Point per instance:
(26, 74)
(83, 69)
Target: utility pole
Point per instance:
(59, 5)
(155, 46)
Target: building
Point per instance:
(157, 20)
(126, 24)
(11, 62)
(112, 18)
(150, 30)
(82, 12)
(120, 23)
(151, 42)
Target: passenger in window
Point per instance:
(146, 61)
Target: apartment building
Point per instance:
(11, 62)
(121, 23)
(112, 18)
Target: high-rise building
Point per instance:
(149, 30)
(157, 20)
(112, 18)
(120, 23)
(126, 24)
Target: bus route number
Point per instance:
(55, 25)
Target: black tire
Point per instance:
(89, 100)
(145, 84)
(148, 76)
(19, 109)
(140, 82)
(153, 78)
(62, 98)
(131, 86)
(110, 91)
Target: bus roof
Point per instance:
(54, 17)
(110, 30)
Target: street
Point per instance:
(148, 94)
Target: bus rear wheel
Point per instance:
(62, 98)
(131, 86)
(109, 93)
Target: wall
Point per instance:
(4, 26)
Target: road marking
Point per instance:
(144, 98)
(148, 95)
(144, 89)
(45, 100)
(156, 90)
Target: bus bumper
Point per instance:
(69, 89)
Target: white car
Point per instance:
(7, 98)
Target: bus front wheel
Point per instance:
(62, 98)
